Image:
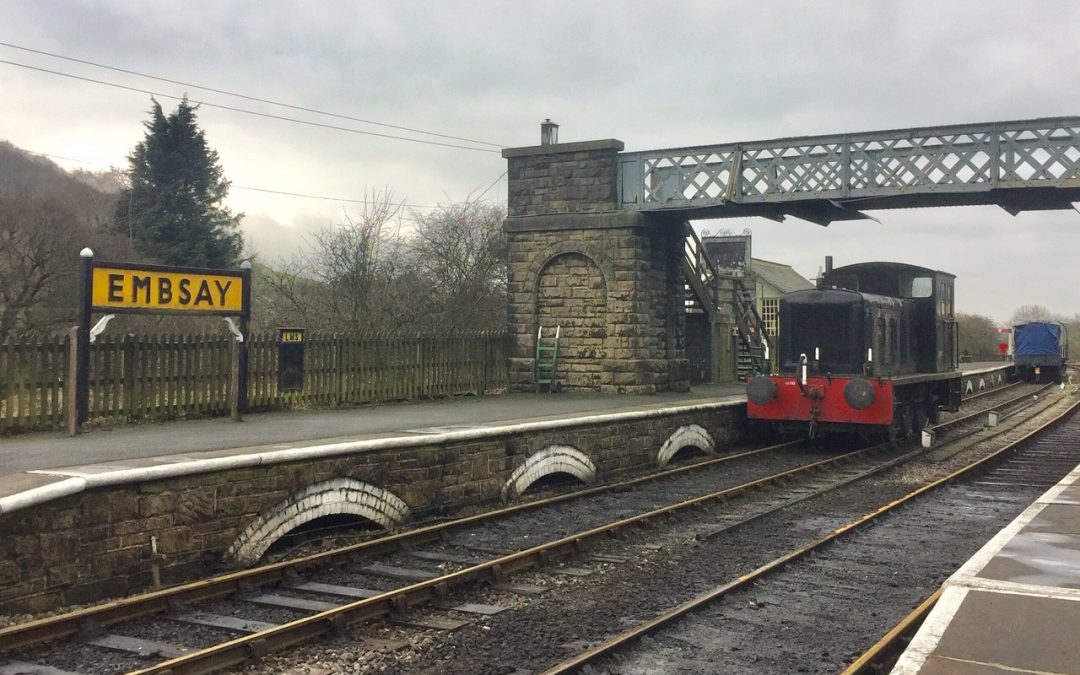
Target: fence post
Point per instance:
(71, 393)
(235, 402)
(339, 369)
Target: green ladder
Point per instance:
(547, 358)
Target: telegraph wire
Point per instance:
(245, 96)
(276, 192)
(493, 183)
(324, 198)
(256, 113)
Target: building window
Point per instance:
(770, 315)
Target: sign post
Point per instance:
(117, 287)
(82, 340)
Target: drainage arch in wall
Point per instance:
(685, 438)
(337, 496)
(549, 461)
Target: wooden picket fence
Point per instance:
(177, 376)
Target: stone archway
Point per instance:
(551, 460)
(571, 292)
(337, 496)
(691, 436)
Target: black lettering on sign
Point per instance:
(164, 290)
(222, 290)
(116, 288)
(140, 284)
(185, 291)
(204, 294)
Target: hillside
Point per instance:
(25, 174)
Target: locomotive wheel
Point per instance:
(907, 421)
(921, 418)
(893, 432)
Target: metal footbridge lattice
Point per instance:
(1020, 166)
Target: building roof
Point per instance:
(782, 278)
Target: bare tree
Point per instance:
(346, 276)
(37, 256)
(460, 251)
(978, 336)
(1026, 313)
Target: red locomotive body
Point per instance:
(821, 400)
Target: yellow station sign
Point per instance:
(287, 335)
(121, 288)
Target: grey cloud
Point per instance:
(654, 76)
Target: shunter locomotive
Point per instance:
(872, 350)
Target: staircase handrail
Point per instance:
(699, 260)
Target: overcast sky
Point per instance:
(651, 74)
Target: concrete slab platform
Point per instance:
(1012, 632)
(1015, 606)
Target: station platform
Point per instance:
(32, 462)
(32, 465)
(1015, 606)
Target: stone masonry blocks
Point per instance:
(613, 283)
(55, 555)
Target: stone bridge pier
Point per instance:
(611, 279)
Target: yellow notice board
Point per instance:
(120, 288)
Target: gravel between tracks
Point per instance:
(750, 631)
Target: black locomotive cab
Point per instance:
(845, 332)
(932, 331)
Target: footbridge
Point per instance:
(1019, 166)
(600, 242)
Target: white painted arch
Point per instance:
(336, 496)
(552, 459)
(684, 437)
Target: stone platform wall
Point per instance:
(97, 544)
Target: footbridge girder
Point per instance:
(1019, 166)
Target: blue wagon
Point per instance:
(1040, 350)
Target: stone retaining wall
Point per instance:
(97, 544)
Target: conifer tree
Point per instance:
(173, 209)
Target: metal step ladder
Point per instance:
(547, 360)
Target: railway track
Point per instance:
(384, 589)
(827, 579)
(96, 619)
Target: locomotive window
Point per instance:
(943, 299)
(916, 286)
(848, 281)
(905, 341)
(881, 349)
(894, 343)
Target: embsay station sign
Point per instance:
(118, 287)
